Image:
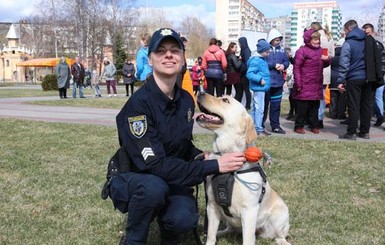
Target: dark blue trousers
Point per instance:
(148, 196)
(273, 99)
(360, 105)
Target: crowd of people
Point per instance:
(350, 71)
(334, 67)
(81, 77)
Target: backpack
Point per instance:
(119, 163)
(373, 53)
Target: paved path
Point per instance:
(16, 108)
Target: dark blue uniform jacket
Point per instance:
(157, 134)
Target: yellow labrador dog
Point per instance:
(249, 212)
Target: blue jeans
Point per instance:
(257, 108)
(322, 106)
(379, 102)
(97, 90)
(77, 85)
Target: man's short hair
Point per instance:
(350, 24)
(368, 25)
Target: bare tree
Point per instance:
(197, 34)
(152, 19)
(368, 15)
(79, 27)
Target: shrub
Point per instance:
(49, 82)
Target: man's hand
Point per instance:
(341, 87)
(279, 67)
(230, 162)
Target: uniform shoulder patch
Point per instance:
(138, 125)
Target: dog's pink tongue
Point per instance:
(197, 114)
(206, 117)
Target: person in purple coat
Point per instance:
(308, 81)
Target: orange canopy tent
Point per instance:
(44, 62)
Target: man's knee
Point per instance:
(182, 222)
(181, 216)
(153, 191)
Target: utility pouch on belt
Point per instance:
(222, 185)
(119, 163)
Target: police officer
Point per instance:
(155, 128)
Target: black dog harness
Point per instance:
(222, 185)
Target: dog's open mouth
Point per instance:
(208, 116)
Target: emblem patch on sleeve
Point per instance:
(138, 125)
(189, 115)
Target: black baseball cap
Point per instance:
(159, 35)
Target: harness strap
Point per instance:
(249, 184)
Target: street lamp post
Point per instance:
(54, 30)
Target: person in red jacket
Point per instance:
(196, 75)
(308, 81)
(214, 64)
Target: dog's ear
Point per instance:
(251, 134)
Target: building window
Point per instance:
(7, 63)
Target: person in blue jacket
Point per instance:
(259, 78)
(278, 61)
(155, 128)
(353, 78)
(142, 66)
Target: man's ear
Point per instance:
(149, 60)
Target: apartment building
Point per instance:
(303, 14)
(283, 25)
(234, 16)
(381, 24)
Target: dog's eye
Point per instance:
(226, 100)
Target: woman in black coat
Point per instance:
(245, 55)
(129, 75)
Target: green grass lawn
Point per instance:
(16, 93)
(104, 102)
(51, 176)
(90, 101)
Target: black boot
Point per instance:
(379, 121)
(123, 240)
(320, 124)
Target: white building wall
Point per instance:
(381, 24)
(234, 16)
(306, 13)
(222, 20)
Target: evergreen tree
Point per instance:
(120, 56)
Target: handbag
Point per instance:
(233, 78)
(203, 83)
